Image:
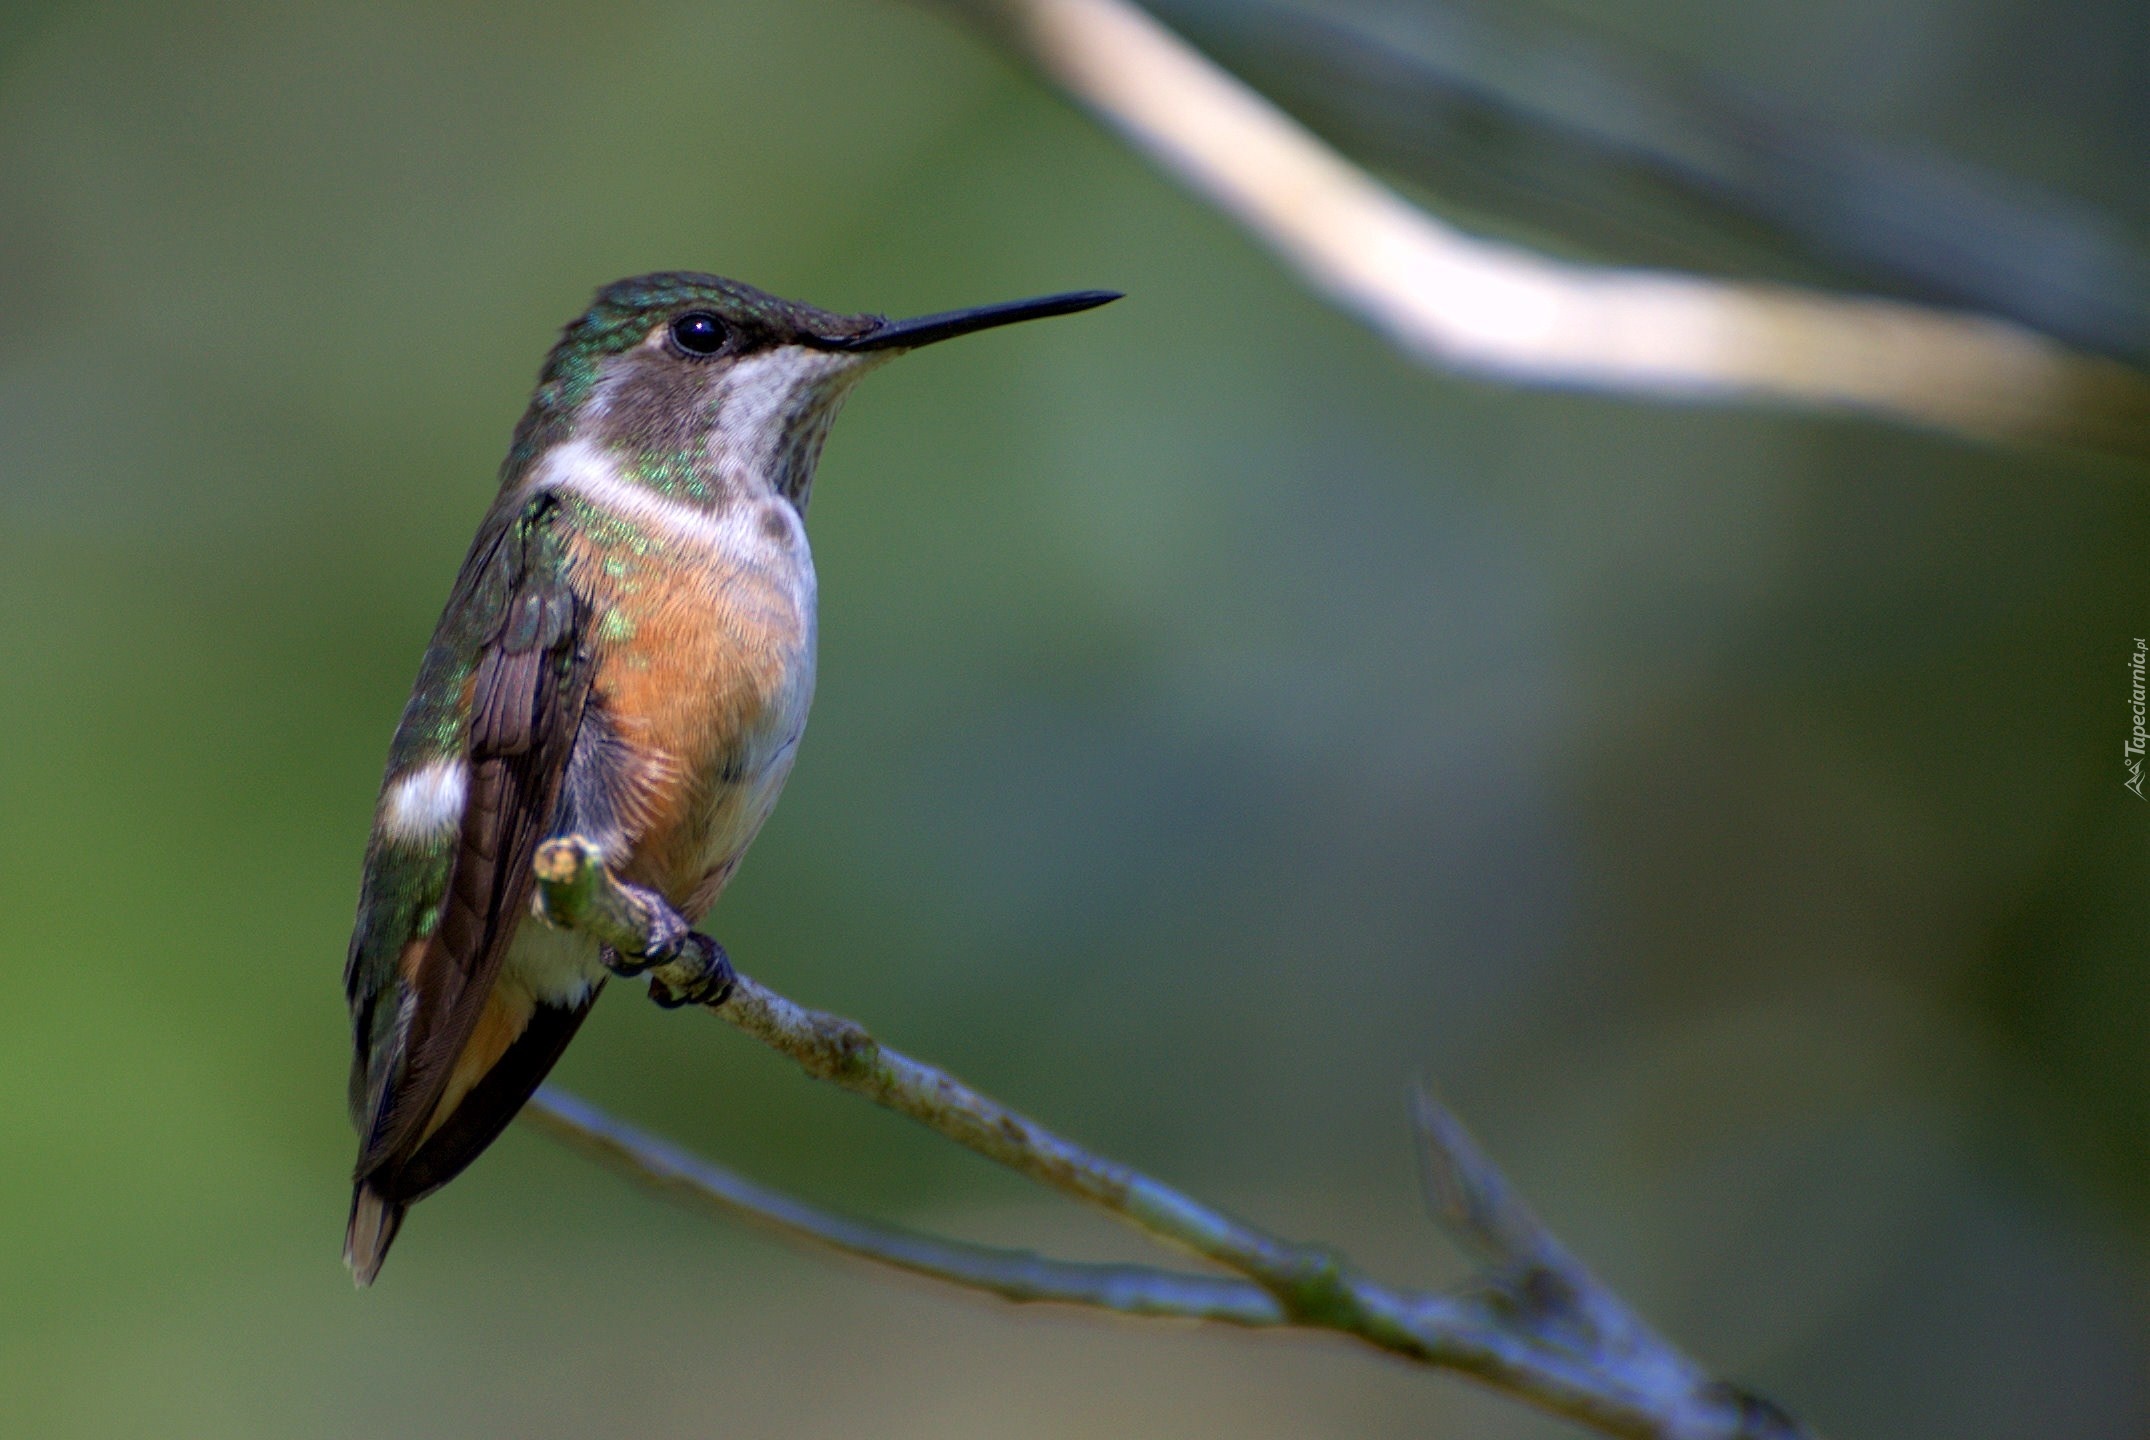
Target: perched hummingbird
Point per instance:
(627, 655)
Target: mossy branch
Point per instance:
(1536, 1324)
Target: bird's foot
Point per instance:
(664, 934)
(702, 975)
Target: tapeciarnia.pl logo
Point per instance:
(2138, 737)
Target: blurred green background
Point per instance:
(1221, 724)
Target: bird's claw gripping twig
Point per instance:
(709, 983)
(639, 932)
(664, 934)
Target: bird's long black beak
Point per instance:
(927, 329)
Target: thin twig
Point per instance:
(1540, 1327)
(1490, 309)
(1011, 1274)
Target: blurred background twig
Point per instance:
(1530, 125)
(1478, 306)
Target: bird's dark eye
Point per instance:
(699, 333)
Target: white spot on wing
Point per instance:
(426, 803)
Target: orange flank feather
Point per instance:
(699, 669)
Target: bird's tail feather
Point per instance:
(374, 1221)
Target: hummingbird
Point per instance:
(626, 656)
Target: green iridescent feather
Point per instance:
(406, 877)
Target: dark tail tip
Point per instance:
(374, 1221)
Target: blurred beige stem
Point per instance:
(1537, 1325)
(1480, 307)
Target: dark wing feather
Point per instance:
(379, 1200)
(491, 1103)
(527, 693)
